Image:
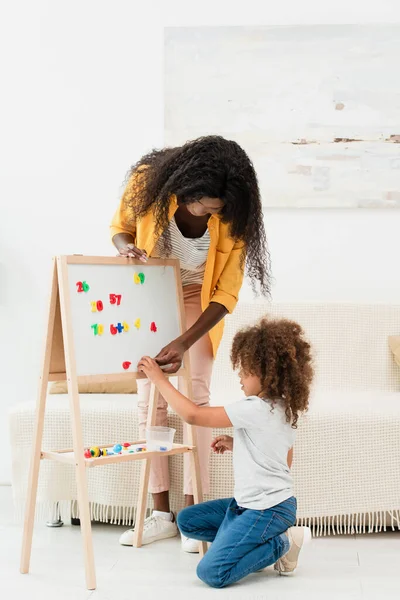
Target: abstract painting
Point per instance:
(317, 108)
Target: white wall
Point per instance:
(82, 99)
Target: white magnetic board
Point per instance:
(135, 309)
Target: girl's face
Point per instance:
(250, 384)
(205, 206)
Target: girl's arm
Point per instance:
(186, 409)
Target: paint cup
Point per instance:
(159, 439)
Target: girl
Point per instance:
(254, 529)
(199, 203)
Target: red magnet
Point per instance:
(153, 327)
(126, 365)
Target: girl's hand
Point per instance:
(222, 444)
(171, 355)
(130, 251)
(151, 369)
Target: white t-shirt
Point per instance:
(191, 252)
(262, 441)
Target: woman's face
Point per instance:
(205, 206)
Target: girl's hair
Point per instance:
(209, 166)
(276, 351)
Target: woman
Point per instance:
(199, 203)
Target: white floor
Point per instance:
(340, 567)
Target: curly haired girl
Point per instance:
(199, 203)
(254, 529)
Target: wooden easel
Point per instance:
(59, 364)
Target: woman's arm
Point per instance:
(222, 302)
(123, 225)
(207, 320)
(186, 409)
(172, 354)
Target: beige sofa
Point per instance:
(347, 454)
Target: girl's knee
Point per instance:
(209, 575)
(183, 519)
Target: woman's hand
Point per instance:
(130, 251)
(222, 444)
(172, 355)
(125, 246)
(151, 369)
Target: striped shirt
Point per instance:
(191, 252)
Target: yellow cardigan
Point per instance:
(223, 274)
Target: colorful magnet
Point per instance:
(115, 299)
(141, 277)
(137, 323)
(95, 328)
(125, 326)
(153, 327)
(100, 329)
(113, 330)
(126, 365)
(136, 278)
(82, 286)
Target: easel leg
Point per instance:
(86, 526)
(145, 474)
(81, 485)
(38, 436)
(194, 458)
(76, 422)
(142, 502)
(33, 479)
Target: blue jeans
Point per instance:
(244, 540)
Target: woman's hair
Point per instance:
(276, 351)
(209, 166)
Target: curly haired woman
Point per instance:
(255, 529)
(199, 203)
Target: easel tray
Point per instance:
(68, 456)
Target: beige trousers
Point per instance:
(201, 362)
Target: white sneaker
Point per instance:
(155, 528)
(189, 545)
(298, 537)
